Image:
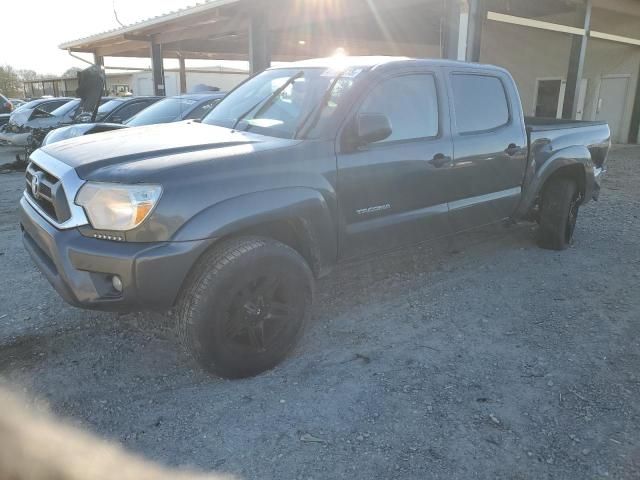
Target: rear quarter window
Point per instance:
(480, 102)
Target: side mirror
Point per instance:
(372, 127)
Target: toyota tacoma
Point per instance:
(228, 221)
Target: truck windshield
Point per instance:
(253, 106)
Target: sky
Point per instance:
(31, 30)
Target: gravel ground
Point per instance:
(8, 154)
(485, 357)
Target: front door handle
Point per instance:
(512, 149)
(439, 160)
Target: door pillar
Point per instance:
(576, 66)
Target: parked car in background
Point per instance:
(5, 104)
(44, 104)
(6, 107)
(121, 109)
(28, 122)
(171, 109)
(227, 221)
(194, 106)
(17, 102)
(35, 108)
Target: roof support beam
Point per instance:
(119, 48)
(259, 40)
(576, 66)
(183, 74)
(157, 67)
(194, 32)
(136, 38)
(477, 14)
(98, 59)
(528, 22)
(456, 18)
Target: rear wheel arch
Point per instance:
(575, 171)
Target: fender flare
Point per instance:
(308, 207)
(566, 157)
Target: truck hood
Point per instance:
(155, 147)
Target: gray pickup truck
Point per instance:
(226, 222)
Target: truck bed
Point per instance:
(551, 134)
(538, 124)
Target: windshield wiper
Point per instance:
(266, 102)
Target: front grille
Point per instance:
(47, 192)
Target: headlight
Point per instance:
(113, 206)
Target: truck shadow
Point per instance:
(127, 378)
(372, 279)
(365, 279)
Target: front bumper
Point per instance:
(81, 268)
(17, 139)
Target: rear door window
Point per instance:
(480, 102)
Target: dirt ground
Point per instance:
(484, 357)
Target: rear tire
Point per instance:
(245, 306)
(558, 213)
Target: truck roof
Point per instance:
(376, 61)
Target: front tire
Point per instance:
(559, 213)
(245, 306)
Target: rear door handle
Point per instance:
(439, 160)
(512, 149)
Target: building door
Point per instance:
(144, 85)
(550, 97)
(611, 103)
(550, 94)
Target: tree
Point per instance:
(72, 72)
(27, 75)
(10, 84)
